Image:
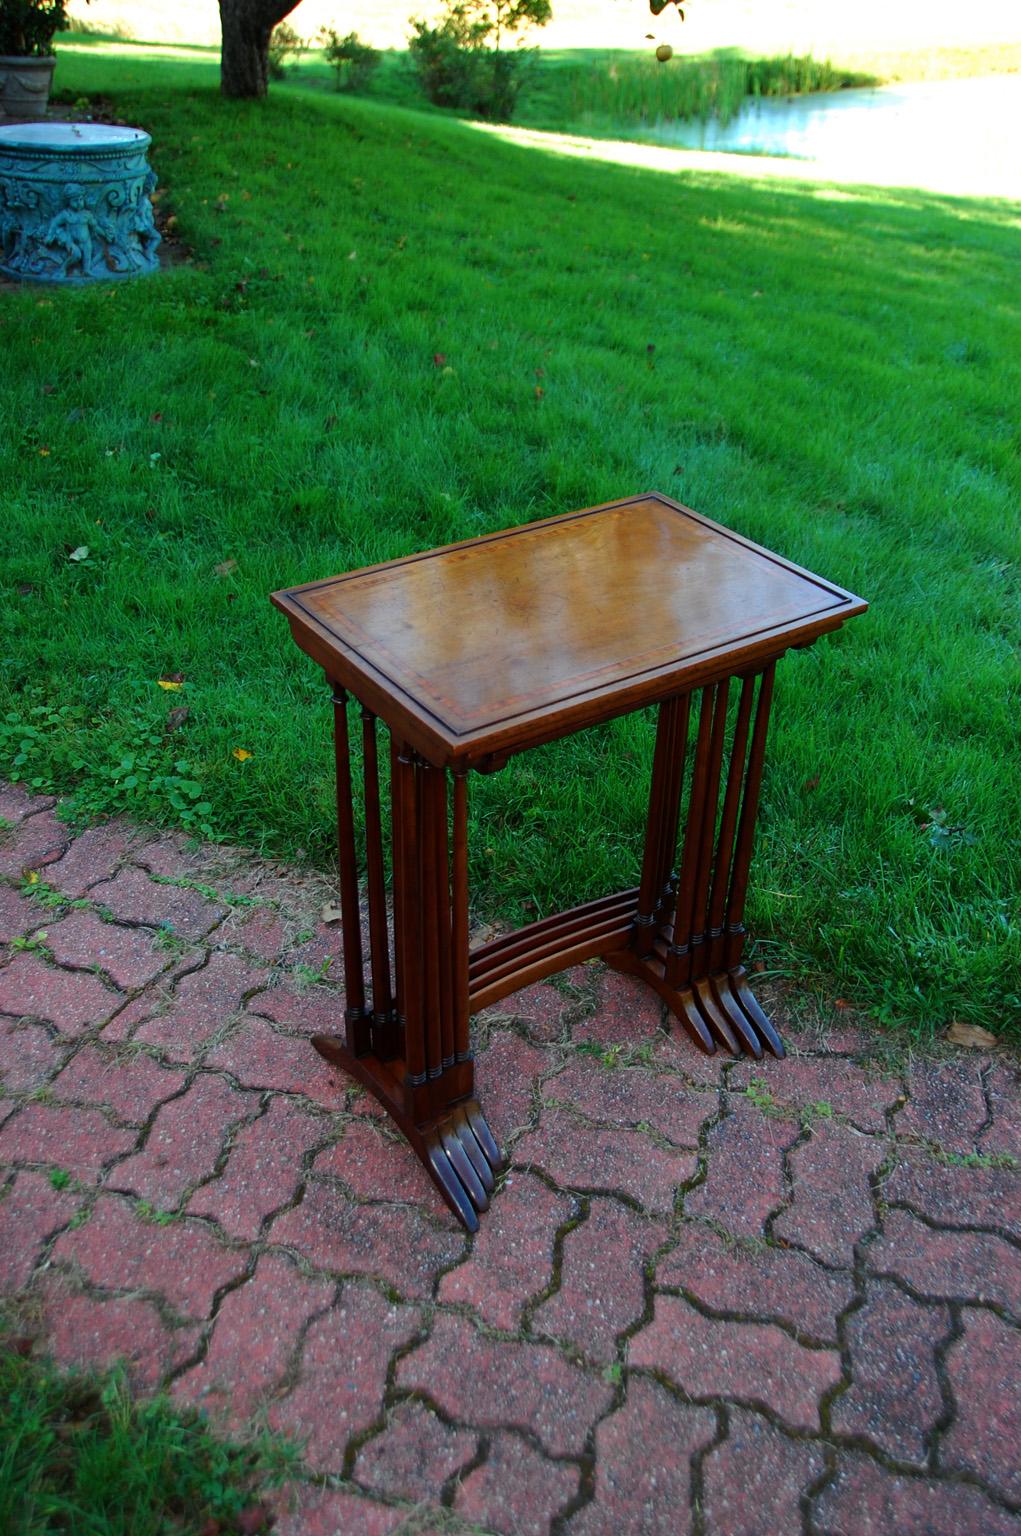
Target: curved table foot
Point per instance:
(455, 1146)
(717, 1010)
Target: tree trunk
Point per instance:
(244, 57)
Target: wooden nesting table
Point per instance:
(475, 652)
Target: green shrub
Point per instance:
(284, 43)
(460, 62)
(353, 61)
(27, 26)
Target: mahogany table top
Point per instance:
(481, 648)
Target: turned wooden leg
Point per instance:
(383, 1018)
(356, 1017)
(691, 954)
(411, 1048)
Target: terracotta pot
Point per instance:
(25, 86)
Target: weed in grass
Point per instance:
(306, 976)
(169, 941)
(758, 1093)
(37, 942)
(973, 1159)
(208, 892)
(606, 1055)
(152, 1214)
(809, 1113)
(48, 896)
(139, 773)
(858, 418)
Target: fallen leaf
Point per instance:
(331, 912)
(971, 1036)
(169, 686)
(225, 567)
(44, 453)
(809, 784)
(842, 1002)
(242, 754)
(539, 391)
(176, 718)
(79, 554)
(439, 359)
(31, 877)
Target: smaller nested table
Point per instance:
(472, 653)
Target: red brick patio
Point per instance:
(711, 1296)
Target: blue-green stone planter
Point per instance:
(74, 203)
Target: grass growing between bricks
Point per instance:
(393, 333)
(77, 1453)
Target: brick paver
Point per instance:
(183, 1261)
(584, 1310)
(129, 1083)
(185, 1142)
(263, 1172)
(755, 1481)
(516, 1491)
(254, 1339)
(744, 1182)
(732, 1297)
(31, 1210)
(414, 1454)
(754, 1363)
(131, 957)
(72, 1001)
(644, 1453)
(832, 1205)
(893, 1399)
(29, 1056)
(37, 841)
(342, 1372)
(512, 1257)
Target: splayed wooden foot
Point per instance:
(455, 1146)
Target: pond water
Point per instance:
(969, 130)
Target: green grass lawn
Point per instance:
(835, 375)
(78, 1455)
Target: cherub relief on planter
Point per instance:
(72, 230)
